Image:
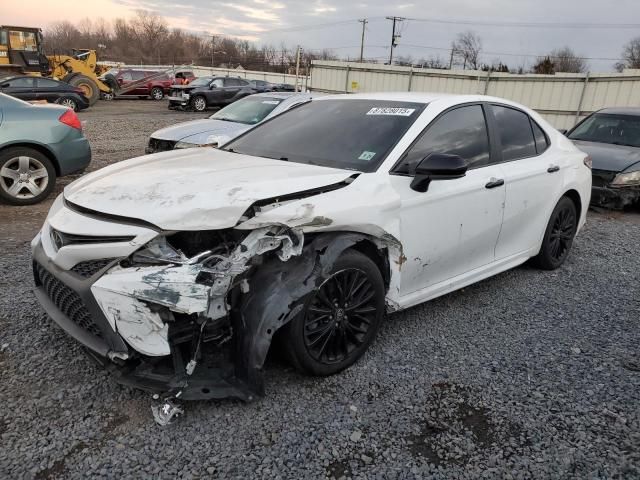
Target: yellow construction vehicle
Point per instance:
(21, 52)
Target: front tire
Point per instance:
(199, 103)
(88, 86)
(340, 318)
(558, 237)
(26, 176)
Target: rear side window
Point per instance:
(231, 82)
(516, 135)
(542, 142)
(461, 132)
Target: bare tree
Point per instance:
(467, 47)
(565, 60)
(630, 55)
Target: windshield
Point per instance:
(352, 134)
(201, 82)
(249, 110)
(609, 128)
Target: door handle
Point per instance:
(495, 182)
(553, 169)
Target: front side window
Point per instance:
(47, 83)
(351, 134)
(249, 110)
(609, 128)
(218, 82)
(126, 76)
(515, 133)
(461, 132)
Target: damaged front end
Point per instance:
(179, 307)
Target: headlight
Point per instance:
(626, 179)
(186, 145)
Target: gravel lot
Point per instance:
(526, 375)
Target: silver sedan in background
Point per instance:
(227, 123)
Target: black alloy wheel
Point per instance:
(559, 235)
(340, 318)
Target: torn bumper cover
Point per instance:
(201, 326)
(615, 197)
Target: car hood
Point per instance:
(194, 189)
(605, 156)
(199, 131)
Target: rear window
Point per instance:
(351, 134)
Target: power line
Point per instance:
(483, 23)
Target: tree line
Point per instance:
(147, 39)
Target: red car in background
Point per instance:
(148, 83)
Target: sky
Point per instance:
(594, 29)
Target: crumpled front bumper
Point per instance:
(616, 198)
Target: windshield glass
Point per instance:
(249, 110)
(352, 134)
(201, 82)
(609, 128)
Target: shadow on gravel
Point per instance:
(454, 429)
(58, 469)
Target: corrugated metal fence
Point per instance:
(562, 99)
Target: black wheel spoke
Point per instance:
(339, 316)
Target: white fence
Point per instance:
(201, 71)
(562, 99)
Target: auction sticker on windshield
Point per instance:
(366, 155)
(401, 112)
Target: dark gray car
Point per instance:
(611, 137)
(37, 144)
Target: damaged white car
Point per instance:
(178, 269)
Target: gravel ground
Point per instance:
(526, 375)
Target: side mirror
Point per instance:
(564, 131)
(213, 85)
(438, 166)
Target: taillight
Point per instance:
(71, 119)
(588, 162)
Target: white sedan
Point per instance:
(179, 268)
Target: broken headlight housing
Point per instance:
(627, 179)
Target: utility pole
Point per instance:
(297, 66)
(213, 47)
(394, 37)
(364, 22)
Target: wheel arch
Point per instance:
(574, 196)
(38, 147)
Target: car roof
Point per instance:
(621, 111)
(274, 94)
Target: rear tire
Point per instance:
(157, 93)
(340, 318)
(558, 237)
(26, 176)
(68, 102)
(88, 86)
(199, 103)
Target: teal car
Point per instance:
(38, 143)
